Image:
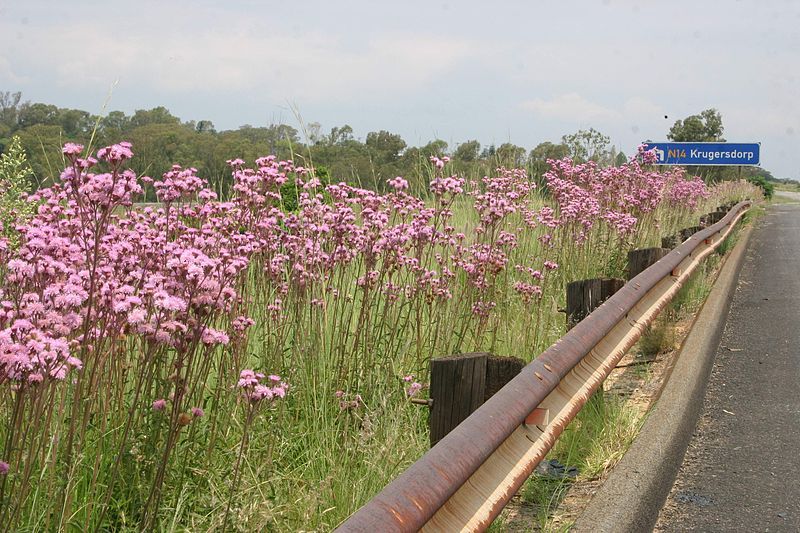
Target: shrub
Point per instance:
(15, 181)
(766, 187)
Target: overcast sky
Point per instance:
(523, 72)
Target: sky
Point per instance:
(520, 72)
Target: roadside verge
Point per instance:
(632, 496)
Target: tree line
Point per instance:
(161, 139)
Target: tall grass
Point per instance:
(135, 340)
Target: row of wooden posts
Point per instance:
(462, 383)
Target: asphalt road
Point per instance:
(788, 194)
(742, 469)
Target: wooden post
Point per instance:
(499, 371)
(711, 218)
(458, 387)
(673, 241)
(688, 232)
(639, 260)
(462, 383)
(586, 295)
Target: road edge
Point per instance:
(636, 489)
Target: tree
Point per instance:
(313, 132)
(588, 145)
(467, 151)
(340, 136)
(33, 114)
(436, 147)
(75, 122)
(538, 157)
(705, 127)
(157, 115)
(205, 126)
(115, 123)
(510, 155)
(385, 146)
(42, 144)
(9, 107)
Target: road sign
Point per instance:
(706, 153)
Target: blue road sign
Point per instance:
(706, 153)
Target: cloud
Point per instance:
(570, 107)
(307, 65)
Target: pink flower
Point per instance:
(197, 412)
(4, 467)
(72, 149)
(413, 389)
(159, 405)
(115, 153)
(212, 336)
(254, 390)
(398, 183)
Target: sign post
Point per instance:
(698, 154)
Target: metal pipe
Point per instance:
(483, 461)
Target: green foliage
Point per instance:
(705, 127)
(694, 291)
(656, 339)
(467, 151)
(385, 146)
(15, 174)
(160, 139)
(511, 156)
(767, 187)
(537, 159)
(588, 145)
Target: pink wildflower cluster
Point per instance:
(89, 273)
(587, 193)
(179, 183)
(255, 386)
(414, 387)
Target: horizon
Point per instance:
(525, 75)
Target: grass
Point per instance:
(604, 429)
(310, 461)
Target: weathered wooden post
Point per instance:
(499, 371)
(583, 297)
(462, 383)
(639, 260)
(711, 218)
(674, 240)
(586, 295)
(458, 386)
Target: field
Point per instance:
(246, 363)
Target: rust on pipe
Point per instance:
(421, 492)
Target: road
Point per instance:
(790, 195)
(742, 469)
